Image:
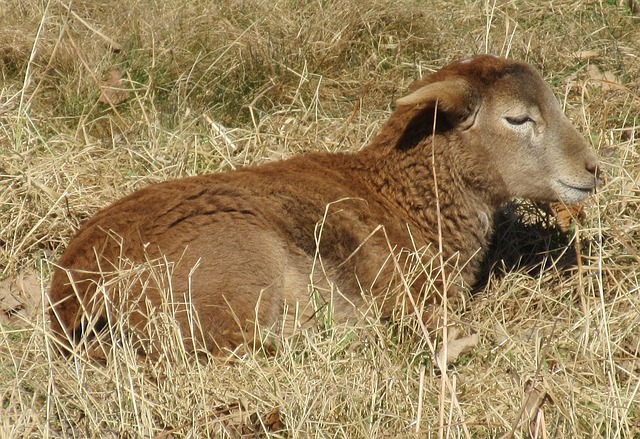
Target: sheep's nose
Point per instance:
(594, 169)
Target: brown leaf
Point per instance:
(587, 54)
(567, 214)
(535, 398)
(273, 420)
(9, 305)
(606, 80)
(20, 296)
(112, 90)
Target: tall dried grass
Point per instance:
(211, 86)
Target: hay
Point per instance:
(212, 86)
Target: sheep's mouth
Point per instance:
(585, 187)
(573, 192)
(582, 188)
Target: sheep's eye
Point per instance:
(518, 121)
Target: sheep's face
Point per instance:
(534, 146)
(507, 112)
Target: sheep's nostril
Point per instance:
(594, 169)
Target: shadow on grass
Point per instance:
(526, 238)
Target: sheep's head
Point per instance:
(508, 110)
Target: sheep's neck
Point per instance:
(447, 198)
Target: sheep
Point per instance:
(252, 250)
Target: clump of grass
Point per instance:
(212, 87)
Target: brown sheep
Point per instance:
(256, 248)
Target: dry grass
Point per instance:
(210, 86)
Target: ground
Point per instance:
(100, 98)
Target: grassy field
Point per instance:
(100, 98)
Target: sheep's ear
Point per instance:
(453, 96)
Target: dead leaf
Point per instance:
(535, 398)
(238, 421)
(273, 420)
(567, 214)
(587, 54)
(270, 422)
(501, 335)
(113, 90)
(606, 80)
(20, 297)
(9, 305)
(456, 347)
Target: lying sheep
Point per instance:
(244, 247)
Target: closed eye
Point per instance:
(518, 121)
